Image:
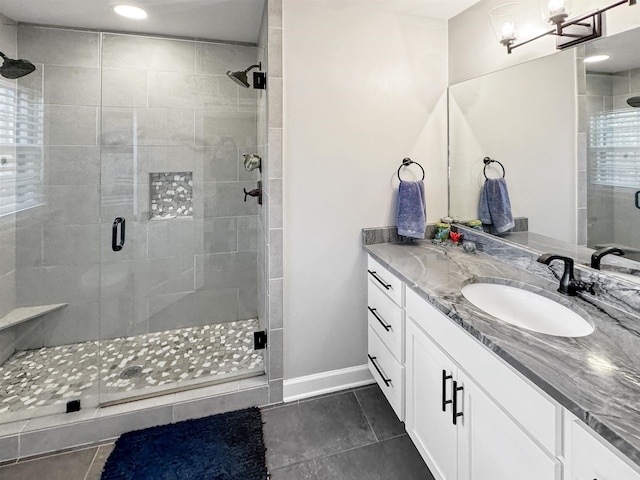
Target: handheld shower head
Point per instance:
(15, 68)
(240, 77)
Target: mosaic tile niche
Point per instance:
(171, 195)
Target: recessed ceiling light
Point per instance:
(130, 11)
(596, 58)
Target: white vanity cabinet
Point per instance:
(470, 414)
(386, 333)
(459, 430)
(589, 458)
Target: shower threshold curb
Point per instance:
(91, 426)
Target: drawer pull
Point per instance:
(454, 393)
(445, 402)
(380, 281)
(387, 381)
(373, 312)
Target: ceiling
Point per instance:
(228, 20)
(621, 48)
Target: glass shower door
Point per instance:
(178, 296)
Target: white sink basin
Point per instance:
(527, 310)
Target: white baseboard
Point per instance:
(326, 382)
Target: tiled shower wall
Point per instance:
(8, 39)
(611, 208)
(117, 108)
(270, 253)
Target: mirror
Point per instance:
(567, 138)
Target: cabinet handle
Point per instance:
(445, 402)
(387, 381)
(454, 394)
(373, 312)
(380, 281)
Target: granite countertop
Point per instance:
(596, 377)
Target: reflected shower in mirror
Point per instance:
(568, 134)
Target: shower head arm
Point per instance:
(257, 65)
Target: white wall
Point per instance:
(362, 89)
(474, 49)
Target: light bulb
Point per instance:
(556, 5)
(508, 31)
(557, 11)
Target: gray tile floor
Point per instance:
(350, 435)
(345, 436)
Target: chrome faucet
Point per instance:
(596, 257)
(568, 284)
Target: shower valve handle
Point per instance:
(256, 192)
(251, 193)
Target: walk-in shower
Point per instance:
(613, 159)
(128, 259)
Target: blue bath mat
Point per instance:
(228, 446)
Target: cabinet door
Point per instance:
(491, 446)
(430, 428)
(592, 460)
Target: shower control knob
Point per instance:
(256, 192)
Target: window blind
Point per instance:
(614, 142)
(21, 149)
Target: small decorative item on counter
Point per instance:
(447, 219)
(469, 247)
(456, 237)
(442, 232)
(476, 224)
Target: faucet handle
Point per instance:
(585, 286)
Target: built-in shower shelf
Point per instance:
(22, 314)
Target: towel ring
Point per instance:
(488, 161)
(405, 163)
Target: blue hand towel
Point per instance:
(412, 213)
(495, 207)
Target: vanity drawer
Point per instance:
(384, 279)
(388, 372)
(385, 318)
(538, 415)
(590, 458)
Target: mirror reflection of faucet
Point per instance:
(596, 257)
(252, 161)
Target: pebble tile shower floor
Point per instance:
(55, 375)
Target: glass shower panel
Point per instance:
(178, 298)
(49, 235)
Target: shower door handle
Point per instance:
(638, 199)
(115, 246)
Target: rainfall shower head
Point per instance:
(240, 77)
(634, 101)
(15, 68)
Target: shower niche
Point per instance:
(171, 195)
